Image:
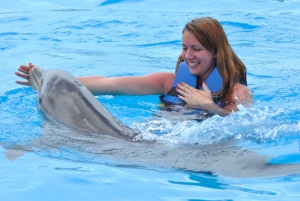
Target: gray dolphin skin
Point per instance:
(65, 99)
(62, 97)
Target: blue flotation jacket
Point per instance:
(214, 83)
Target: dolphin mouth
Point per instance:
(35, 77)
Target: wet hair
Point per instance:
(210, 33)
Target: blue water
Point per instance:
(135, 37)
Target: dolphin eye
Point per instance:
(40, 101)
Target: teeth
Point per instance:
(193, 64)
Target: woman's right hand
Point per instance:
(23, 73)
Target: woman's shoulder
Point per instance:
(238, 87)
(242, 93)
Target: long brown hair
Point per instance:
(211, 35)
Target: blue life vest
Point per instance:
(214, 82)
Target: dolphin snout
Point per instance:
(35, 76)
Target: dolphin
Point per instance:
(63, 98)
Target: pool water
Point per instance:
(135, 37)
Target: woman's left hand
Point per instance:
(195, 97)
(23, 73)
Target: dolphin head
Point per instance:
(36, 75)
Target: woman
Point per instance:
(204, 47)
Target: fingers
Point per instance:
(25, 69)
(31, 65)
(205, 87)
(184, 92)
(23, 83)
(184, 99)
(184, 87)
(181, 93)
(23, 72)
(25, 76)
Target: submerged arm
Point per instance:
(240, 95)
(203, 98)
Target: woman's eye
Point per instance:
(197, 49)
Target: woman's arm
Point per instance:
(156, 83)
(202, 98)
(240, 95)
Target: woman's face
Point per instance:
(199, 60)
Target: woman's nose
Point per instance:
(189, 54)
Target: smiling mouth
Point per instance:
(192, 64)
